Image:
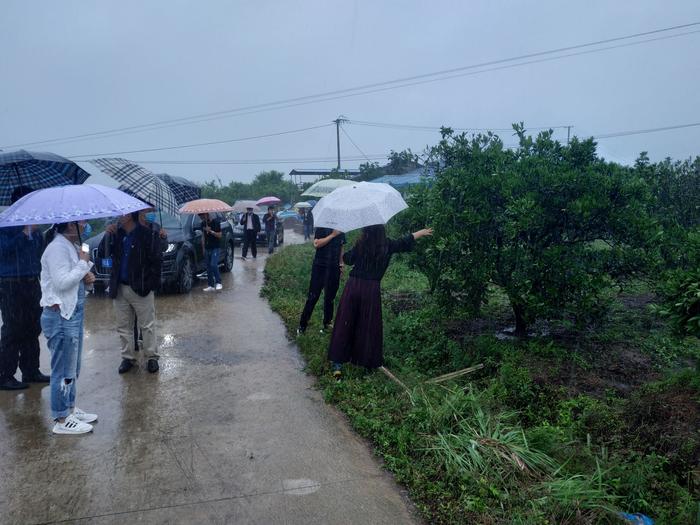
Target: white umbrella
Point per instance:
(325, 186)
(302, 205)
(242, 205)
(362, 204)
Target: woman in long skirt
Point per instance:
(358, 332)
(65, 269)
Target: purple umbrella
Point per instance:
(68, 204)
(268, 201)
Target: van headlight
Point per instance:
(170, 248)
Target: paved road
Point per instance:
(230, 431)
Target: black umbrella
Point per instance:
(37, 170)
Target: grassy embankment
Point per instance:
(568, 427)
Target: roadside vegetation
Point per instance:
(574, 282)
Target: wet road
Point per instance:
(230, 430)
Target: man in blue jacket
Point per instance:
(20, 292)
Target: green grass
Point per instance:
(513, 442)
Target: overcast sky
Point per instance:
(76, 67)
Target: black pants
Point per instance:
(328, 280)
(250, 238)
(21, 325)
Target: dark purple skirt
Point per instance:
(358, 331)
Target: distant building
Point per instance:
(300, 177)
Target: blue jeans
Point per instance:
(65, 342)
(307, 232)
(271, 237)
(213, 275)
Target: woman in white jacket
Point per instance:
(65, 270)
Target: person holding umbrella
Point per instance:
(325, 276)
(358, 331)
(20, 292)
(211, 235)
(65, 270)
(211, 244)
(270, 221)
(251, 227)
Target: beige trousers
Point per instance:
(128, 305)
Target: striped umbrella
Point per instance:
(140, 182)
(183, 189)
(37, 170)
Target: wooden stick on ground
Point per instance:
(458, 373)
(394, 379)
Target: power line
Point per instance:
(328, 160)
(437, 128)
(183, 146)
(353, 143)
(377, 86)
(642, 131)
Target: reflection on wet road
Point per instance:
(229, 431)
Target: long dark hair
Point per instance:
(372, 242)
(56, 228)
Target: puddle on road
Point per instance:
(206, 349)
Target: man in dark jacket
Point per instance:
(251, 227)
(20, 255)
(307, 219)
(135, 253)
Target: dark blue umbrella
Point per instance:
(37, 170)
(183, 189)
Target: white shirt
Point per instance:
(249, 222)
(61, 273)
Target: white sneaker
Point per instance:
(209, 289)
(72, 425)
(85, 417)
(219, 286)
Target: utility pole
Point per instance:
(338, 122)
(568, 134)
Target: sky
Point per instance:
(72, 67)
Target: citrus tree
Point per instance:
(552, 225)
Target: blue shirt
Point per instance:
(20, 256)
(126, 250)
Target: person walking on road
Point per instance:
(325, 276)
(20, 293)
(65, 270)
(211, 245)
(251, 226)
(270, 222)
(136, 266)
(358, 331)
(307, 219)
